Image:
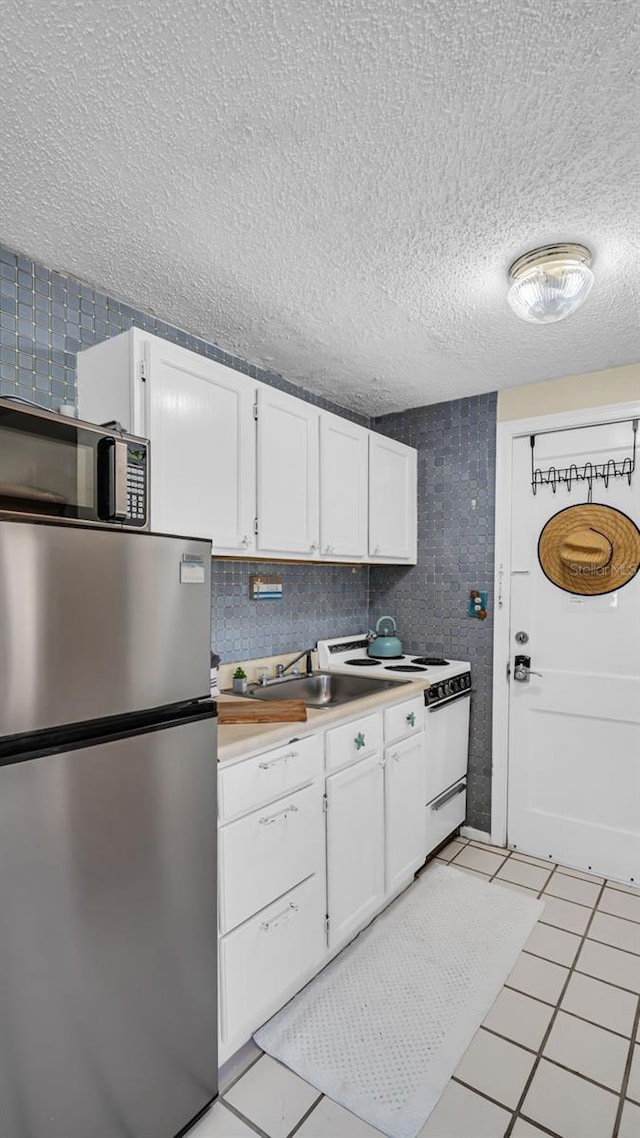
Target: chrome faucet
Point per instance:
(282, 668)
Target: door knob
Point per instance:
(522, 669)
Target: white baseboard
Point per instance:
(475, 835)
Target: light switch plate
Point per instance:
(478, 599)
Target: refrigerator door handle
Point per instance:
(112, 479)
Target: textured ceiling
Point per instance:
(334, 188)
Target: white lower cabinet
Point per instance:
(267, 853)
(263, 960)
(244, 786)
(296, 883)
(445, 814)
(404, 790)
(355, 846)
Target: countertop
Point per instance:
(237, 740)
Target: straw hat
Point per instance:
(590, 549)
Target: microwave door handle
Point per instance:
(112, 479)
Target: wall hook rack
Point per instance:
(588, 472)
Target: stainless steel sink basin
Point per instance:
(322, 689)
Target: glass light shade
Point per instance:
(549, 284)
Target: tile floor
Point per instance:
(558, 1054)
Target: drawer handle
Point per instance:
(453, 793)
(281, 816)
(359, 741)
(265, 766)
(411, 718)
(395, 755)
(280, 918)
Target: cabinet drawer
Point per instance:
(267, 776)
(445, 814)
(266, 853)
(404, 719)
(261, 962)
(354, 740)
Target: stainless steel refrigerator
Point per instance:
(108, 1017)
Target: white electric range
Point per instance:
(449, 695)
(447, 679)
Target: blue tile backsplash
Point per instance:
(319, 601)
(47, 316)
(456, 444)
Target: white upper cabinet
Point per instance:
(287, 476)
(392, 501)
(198, 415)
(298, 484)
(199, 418)
(344, 487)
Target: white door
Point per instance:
(355, 846)
(393, 517)
(574, 746)
(404, 795)
(199, 418)
(287, 475)
(343, 488)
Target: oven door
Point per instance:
(57, 468)
(447, 743)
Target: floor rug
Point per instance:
(383, 1027)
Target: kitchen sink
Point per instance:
(321, 689)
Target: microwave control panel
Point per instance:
(137, 486)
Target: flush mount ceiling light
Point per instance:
(548, 284)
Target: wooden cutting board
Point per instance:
(257, 711)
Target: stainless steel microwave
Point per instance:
(56, 468)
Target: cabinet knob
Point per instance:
(245, 540)
(328, 549)
(359, 741)
(376, 550)
(314, 547)
(411, 719)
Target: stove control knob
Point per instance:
(440, 691)
(447, 687)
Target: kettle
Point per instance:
(382, 644)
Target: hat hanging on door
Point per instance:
(590, 549)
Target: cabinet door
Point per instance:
(343, 488)
(287, 475)
(355, 846)
(199, 418)
(404, 788)
(393, 517)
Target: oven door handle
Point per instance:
(459, 788)
(112, 479)
(453, 699)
